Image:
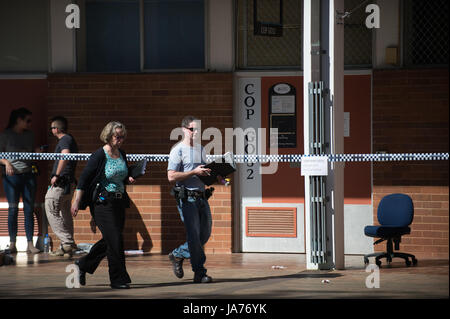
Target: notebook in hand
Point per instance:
(138, 169)
(222, 168)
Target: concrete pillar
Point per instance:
(336, 69)
(220, 41)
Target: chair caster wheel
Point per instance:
(366, 261)
(414, 262)
(408, 263)
(378, 263)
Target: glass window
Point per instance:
(357, 37)
(24, 34)
(112, 36)
(174, 36)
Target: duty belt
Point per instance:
(111, 195)
(180, 193)
(115, 195)
(195, 193)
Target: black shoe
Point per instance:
(120, 286)
(177, 265)
(203, 279)
(82, 274)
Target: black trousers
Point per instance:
(110, 219)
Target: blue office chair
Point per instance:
(395, 213)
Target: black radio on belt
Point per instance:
(65, 182)
(62, 181)
(179, 192)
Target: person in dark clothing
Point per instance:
(102, 187)
(59, 193)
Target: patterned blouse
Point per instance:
(115, 171)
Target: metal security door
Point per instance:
(317, 183)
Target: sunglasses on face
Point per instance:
(119, 137)
(192, 129)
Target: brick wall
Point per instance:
(150, 105)
(410, 115)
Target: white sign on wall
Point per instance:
(249, 120)
(314, 166)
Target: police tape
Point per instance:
(246, 158)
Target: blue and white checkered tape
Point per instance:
(242, 158)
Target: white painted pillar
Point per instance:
(336, 32)
(220, 35)
(330, 70)
(307, 78)
(62, 39)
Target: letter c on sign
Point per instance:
(246, 89)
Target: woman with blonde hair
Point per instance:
(102, 188)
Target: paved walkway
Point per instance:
(236, 276)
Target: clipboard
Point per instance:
(225, 167)
(138, 169)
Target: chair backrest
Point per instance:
(395, 210)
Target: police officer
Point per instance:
(186, 163)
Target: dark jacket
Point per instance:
(93, 174)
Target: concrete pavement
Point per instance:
(235, 276)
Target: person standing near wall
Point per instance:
(18, 176)
(59, 194)
(102, 187)
(186, 163)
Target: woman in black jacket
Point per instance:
(102, 187)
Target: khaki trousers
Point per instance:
(57, 209)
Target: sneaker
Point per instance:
(12, 248)
(177, 265)
(58, 252)
(65, 250)
(202, 279)
(31, 249)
